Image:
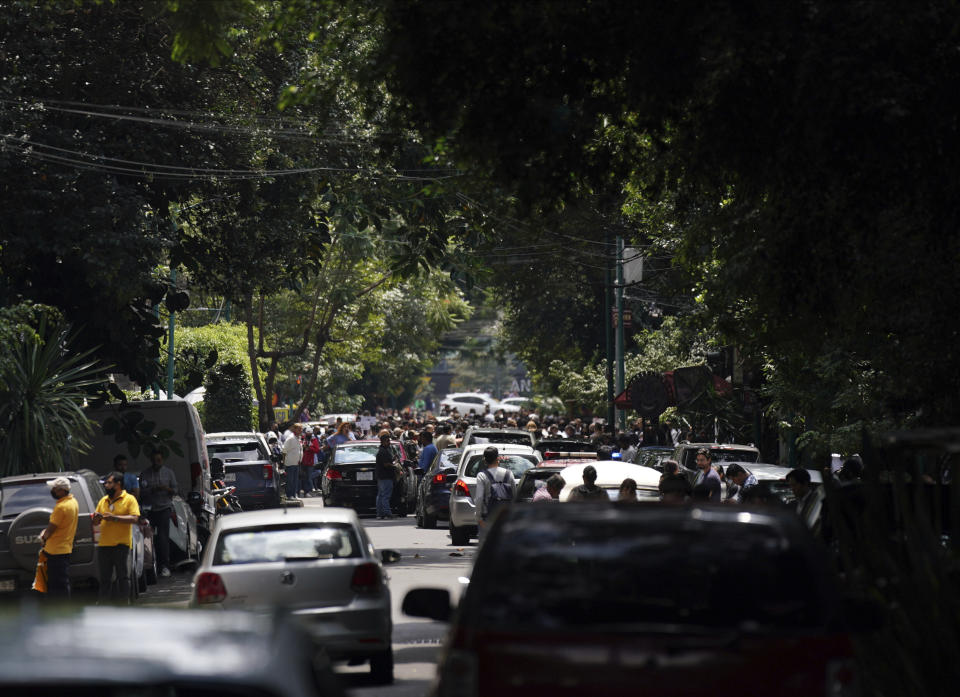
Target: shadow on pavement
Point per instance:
(359, 677)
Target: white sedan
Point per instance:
(465, 402)
(610, 474)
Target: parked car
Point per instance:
(433, 492)
(153, 651)
(25, 508)
(686, 453)
(465, 402)
(246, 463)
(172, 424)
(774, 479)
(315, 563)
(487, 435)
(463, 509)
(349, 478)
(610, 475)
(606, 600)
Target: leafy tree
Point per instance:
(228, 404)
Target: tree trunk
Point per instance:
(264, 410)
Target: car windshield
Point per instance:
(288, 542)
(19, 497)
(248, 450)
(505, 438)
(518, 464)
(617, 573)
(355, 453)
(734, 455)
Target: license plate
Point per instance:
(8, 585)
(230, 477)
(364, 476)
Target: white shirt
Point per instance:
(292, 451)
(286, 436)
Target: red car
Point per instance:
(651, 599)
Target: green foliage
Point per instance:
(43, 382)
(199, 350)
(228, 403)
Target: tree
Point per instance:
(43, 382)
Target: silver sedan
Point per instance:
(318, 564)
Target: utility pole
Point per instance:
(607, 311)
(622, 414)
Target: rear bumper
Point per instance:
(356, 496)
(463, 512)
(437, 503)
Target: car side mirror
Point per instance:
(432, 603)
(389, 556)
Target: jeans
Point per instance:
(293, 481)
(110, 560)
(306, 478)
(160, 520)
(58, 575)
(384, 492)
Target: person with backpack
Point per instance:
(495, 487)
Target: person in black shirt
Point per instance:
(385, 473)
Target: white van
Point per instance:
(173, 425)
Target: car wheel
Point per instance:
(459, 536)
(142, 582)
(429, 522)
(381, 667)
(150, 572)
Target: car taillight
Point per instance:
(210, 588)
(333, 474)
(366, 578)
(842, 678)
(461, 489)
(550, 455)
(439, 478)
(268, 471)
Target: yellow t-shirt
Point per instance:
(111, 533)
(64, 516)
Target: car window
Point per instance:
(287, 542)
(249, 450)
(19, 497)
(518, 464)
(621, 573)
(733, 455)
(504, 438)
(355, 453)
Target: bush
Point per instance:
(228, 404)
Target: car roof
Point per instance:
(495, 429)
(232, 435)
(765, 471)
(720, 446)
(502, 448)
(45, 476)
(611, 473)
(277, 516)
(168, 645)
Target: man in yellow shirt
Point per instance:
(57, 538)
(116, 515)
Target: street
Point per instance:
(428, 559)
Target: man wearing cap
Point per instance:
(116, 514)
(57, 538)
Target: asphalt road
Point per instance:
(427, 560)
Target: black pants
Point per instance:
(58, 575)
(114, 560)
(160, 520)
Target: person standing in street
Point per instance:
(131, 483)
(158, 485)
(445, 440)
(292, 455)
(116, 514)
(311, 447)
(708, 476)
(495, 487)
(428, 453)
(57, 538)
(385, 471)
